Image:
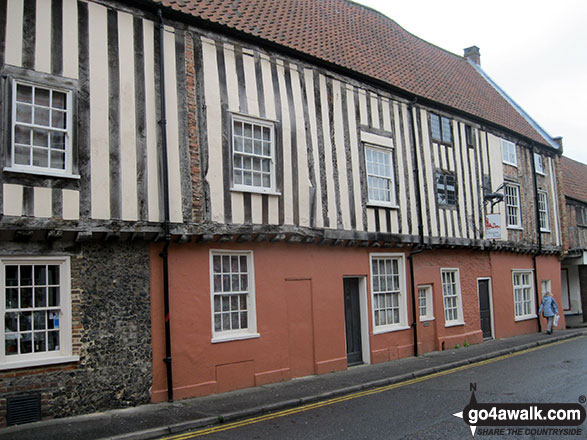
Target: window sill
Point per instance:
(38, 362)
(254, 191)
(381, 205)
(42, 173)
(234, 337)
(545, 231)
(515, 165)
(454, 324)
(515, 228)
(391, 329)
(525, 318)
(426, 318)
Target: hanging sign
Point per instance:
(493, 226)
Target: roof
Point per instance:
(574, 179)
(365, 41)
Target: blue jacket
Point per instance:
(549, 306)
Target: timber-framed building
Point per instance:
(201, 196)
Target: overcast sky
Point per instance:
(535, 50)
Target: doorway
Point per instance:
(352, 319)
(484, 288)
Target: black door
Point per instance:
(485, 308)
(352, 316)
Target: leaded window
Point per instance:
(446, 189)
(440, 127)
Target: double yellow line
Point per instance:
(311, 406)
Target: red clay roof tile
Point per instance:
(574, 178)
(363, 40)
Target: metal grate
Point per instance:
(23, 409)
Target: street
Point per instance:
(424, 409)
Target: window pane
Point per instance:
(41, 97)
(24, 113)
(26, 343)
(22, 135)
(24, 93)
(40, 157)
(53, 296)
(22, 155)
(53, 274)
(39, 320)
(24, 321)
(53, 341)
(11, 298)
(26, 297)
(40, 296)
(58, 119)
(11, 347)
(11, 321)
(42, 116)
(59, 100)
(57, 160)
(40, 341)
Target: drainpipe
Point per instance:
(539, 234)
(420, 248)
(166, 224)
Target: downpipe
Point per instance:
(166, 224)
(538, 235)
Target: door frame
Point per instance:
(364, 316)
(491, 312)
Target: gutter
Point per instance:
(538, 232)
(166, 224)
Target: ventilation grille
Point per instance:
(23, 409)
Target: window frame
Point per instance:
(543, 214)
(539, 164)
(444, 175)
(251, 330)
(429, 303)
(581, 215)
(509, 152)
(518, 206)
(442, 129)
(459, 320)
(65, 353)
(391, 180)
(402, 294)
(530, 273)
(241, 187)
(11, 165)
(470, 136)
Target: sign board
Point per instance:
(493, 226)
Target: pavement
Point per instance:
(162, 419)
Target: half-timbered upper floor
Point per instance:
(267, 132)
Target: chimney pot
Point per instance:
(472, 53)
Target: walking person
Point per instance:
(549, 309)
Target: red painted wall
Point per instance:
(300, 312)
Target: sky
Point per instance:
(535, 50)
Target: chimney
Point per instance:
(558, 140)
(472, 53)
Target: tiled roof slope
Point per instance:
(574, 178)
(363, 40)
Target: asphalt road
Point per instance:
(423, 410)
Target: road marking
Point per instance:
(311, 406)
